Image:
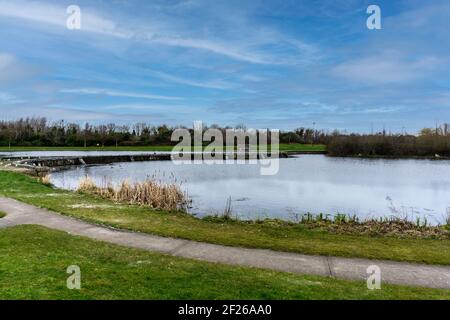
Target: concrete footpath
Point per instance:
(345, 268)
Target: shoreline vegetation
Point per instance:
(306, 238)
(388, 226)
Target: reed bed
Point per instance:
(150, 193)
(393, 226)
(45, 180)
(447, 218)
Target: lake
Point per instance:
(367, 188)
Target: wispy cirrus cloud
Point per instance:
(210, 84)
(56, 15)
(231, 51)
(11, 69)
(92, 22)
(385, 69)
(6, 60)
(113, 93)
(7, 98)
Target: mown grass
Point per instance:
(282, 147)
(269, 235)
(35, 259)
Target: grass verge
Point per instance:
(269, 235)
(35, 259)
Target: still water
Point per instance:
(305, 184)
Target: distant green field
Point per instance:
(302, 147)
(34, 261)
(283, 147)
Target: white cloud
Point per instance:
(12, 70)
(6, 60)
(178, 109)
(215, 47)
(385, 69)
(90, 22)
(57, 15)
(252, 78)
(6, 98)
(61, 113)
(112, 93)
(163, 34)
(212, 84)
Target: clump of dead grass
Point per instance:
(392, 226)
(45, 180)
(150, 193)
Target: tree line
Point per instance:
(40, 132)
(430, 142)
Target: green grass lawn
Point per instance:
(269, 235)
(34, 261)
(283, 147)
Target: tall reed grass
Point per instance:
(151, 193)
(389, 225)
(447, 218)
(45, 180)
(228, 211)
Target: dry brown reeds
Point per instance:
(447, 218)
(151, 193)
(45, 180)
(396, 227)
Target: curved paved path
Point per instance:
(19, 213)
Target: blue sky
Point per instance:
(268, 63)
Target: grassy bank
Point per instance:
(283, 147)
(34, 263)
(270, 235)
